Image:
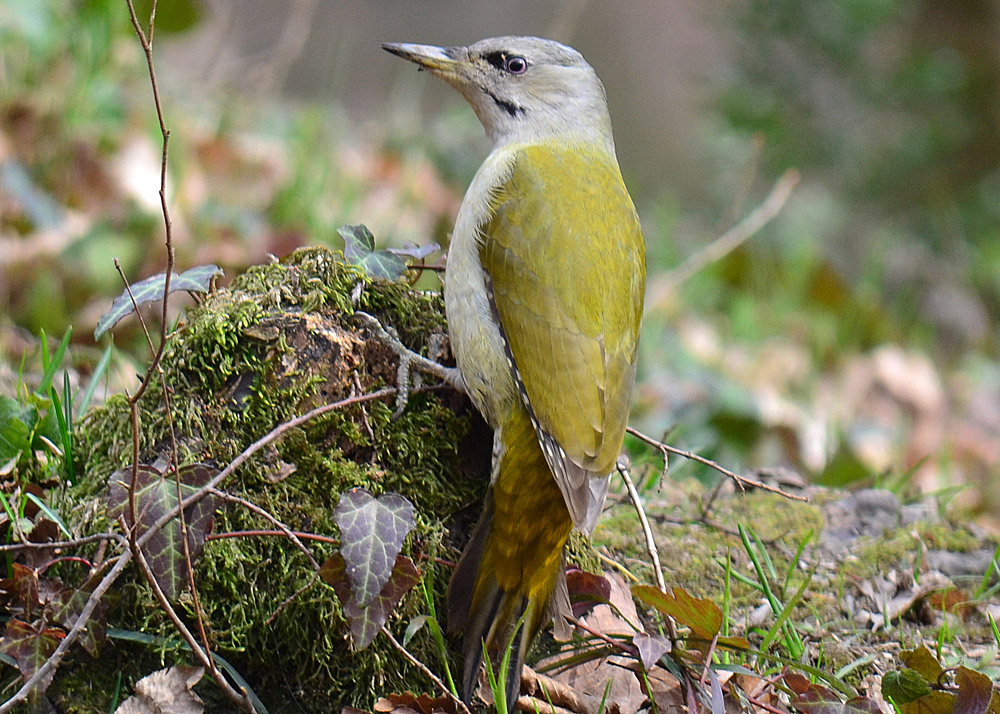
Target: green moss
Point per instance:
(277, 342)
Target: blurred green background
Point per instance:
(854, 340)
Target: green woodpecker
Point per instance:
(543, 292)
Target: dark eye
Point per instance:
(515, 65)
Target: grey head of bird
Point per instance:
(523, 89)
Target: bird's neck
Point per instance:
(533, 134)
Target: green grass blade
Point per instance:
(499, 696)
(781, 623)
(793, 641)
(435, 628)
(607, 691)
(95, 379)
(795, 562)
(64, 435)
(68, 433)
(992, 569)
(51, 365)
(49, 513)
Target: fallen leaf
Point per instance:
(167, 691)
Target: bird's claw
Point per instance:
(409, 362)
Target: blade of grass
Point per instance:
(726, 601)
(64, 436)
(68, 433)
(95, 379)
(435, 628)
(499, 696)
(991, 569)
(49, 513)
(116, 693)
(604, 699)
(781, 623)
(793, 640)
(50, 366)
(741, 578)
(795, 562)
(851, 666)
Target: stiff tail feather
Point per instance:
(488, 614)
(513, 563)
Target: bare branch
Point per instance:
(146, 40)
(741, 481)
(728, 241)
(644, 522)
(203, 655)
(270, 518)
(426, 670)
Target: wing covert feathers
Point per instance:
(563, 255)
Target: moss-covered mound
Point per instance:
(279, 341)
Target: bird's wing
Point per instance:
(564, 259)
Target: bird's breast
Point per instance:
(475, 335)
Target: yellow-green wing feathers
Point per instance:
(564, 255)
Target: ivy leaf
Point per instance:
(155, 496)
(371, 536)
(359, 250)
(365, 622)
(30, 647)
(20, 591)
(412, 250)
(68, 606)
(195, 280)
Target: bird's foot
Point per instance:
(408, 362)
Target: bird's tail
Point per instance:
(509, 571)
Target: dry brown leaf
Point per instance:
(167, 691)
(665, 690)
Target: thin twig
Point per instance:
(146, 40)
(135, 305)
(203, 655)
(728, 241)
(741, 481)
(290, 599)
(263, 441)
(646, 530)
(282, 528)
(616, 644)
(264, 533)
(15, 547)
(650, 543)
(426, 671)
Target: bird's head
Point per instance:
(521, 88)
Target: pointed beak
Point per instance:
(440, 60)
